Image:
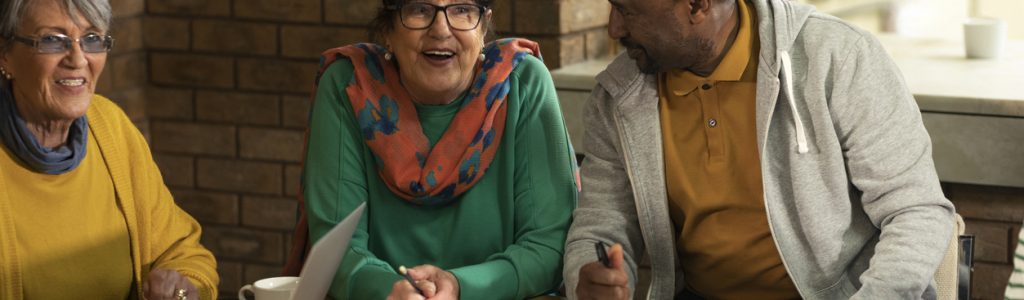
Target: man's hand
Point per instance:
(163, 284)
(600, 282)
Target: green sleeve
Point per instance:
(334, 145)
(545, 195)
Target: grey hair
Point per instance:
(97, 12)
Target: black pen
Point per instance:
(405, 274)
(602, 254)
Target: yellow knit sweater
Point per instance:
(161, 234)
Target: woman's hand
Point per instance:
(163, 284)
(436, 284)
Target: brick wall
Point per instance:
(124, 76)
(223, 88)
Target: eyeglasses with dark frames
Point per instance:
(59, 43)
(421, 15)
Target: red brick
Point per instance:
(598, 43)
(166, 33)
(270, 213)
(177, 170)
(131, 100)
(191, 7)
(230, 278)
(292, 180)
(192, 70)
(209, 207)
(295, 111)
(234, 37)
(244, 244)
(562, 50)
(168, 103)
(992, 241)
(536, 16)
(122, 8)
(577, 15)
(190, 138)
(989, 280)
(238, 108)
(978, 201)
(272, 144)
(254, 272)
(276, 75)
(127, 33)
(127, 70)
(502, 15)
(104, 84)
(282, 10)
(239, 176)
(351, 12)
(310, 41)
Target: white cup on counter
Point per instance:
(274, 288)
(984, 37)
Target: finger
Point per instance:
(403, 290)
(617, 256)
(428, 287)
(602, 292)
(160, 285)
(597, 273)
(423, 272)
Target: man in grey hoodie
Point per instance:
(753, 149)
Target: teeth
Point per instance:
(441, 53)
(71, 82)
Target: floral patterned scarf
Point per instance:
(391, 128)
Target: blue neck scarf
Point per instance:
(23, 144)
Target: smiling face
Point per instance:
(436, 64)
(659, 34)
(52, 87)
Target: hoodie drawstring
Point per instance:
(787, 70)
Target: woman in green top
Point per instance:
(459, 150)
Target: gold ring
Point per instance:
(180, 294)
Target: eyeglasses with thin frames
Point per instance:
(59, 43)
(421, 15)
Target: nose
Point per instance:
(440, 28)
(75, 57)
(616, 26)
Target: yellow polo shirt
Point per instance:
(713, 177)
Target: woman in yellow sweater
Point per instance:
(84, 213)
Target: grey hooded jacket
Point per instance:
(852, 197)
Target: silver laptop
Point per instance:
(325, 257)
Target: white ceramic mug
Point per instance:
(984, 38)
(274, 288)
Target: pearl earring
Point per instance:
(388, 56)
(482, 56)
(3, 72)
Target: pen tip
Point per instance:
(401, 269)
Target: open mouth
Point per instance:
(439, 55)
(71, 82)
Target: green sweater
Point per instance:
(502, 239)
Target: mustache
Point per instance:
(631, 44)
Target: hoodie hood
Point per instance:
(778, 22)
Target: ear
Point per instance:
(699, 10)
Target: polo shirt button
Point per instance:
(712, 123)
(706, 86)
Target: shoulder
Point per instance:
(531, 68)
(105, 113)
(826, 32)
